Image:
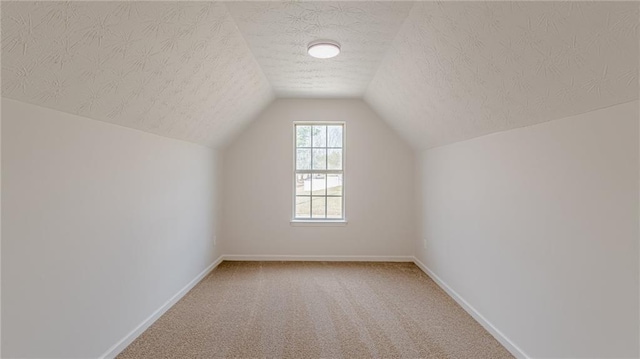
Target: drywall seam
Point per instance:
(321, 258)
(111, 123)
(389, 50)
(495, 332)
(487, 134)
(129, 338)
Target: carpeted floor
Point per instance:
(313, 310)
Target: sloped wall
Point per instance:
(258, 186)
(537, 229)
(101, 225)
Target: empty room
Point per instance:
(320, 179)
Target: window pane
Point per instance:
(303, 207)
(319, 136)
(334, 184)
(334, 207)
(334, 136)
(303, 136)
(303, 159)
(303, 184)
(317, 207)
(319, 184)
(319, 159)
(334, 159)
(319, 149)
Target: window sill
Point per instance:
(318, 223)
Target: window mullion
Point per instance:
(326, 166)
(325, 196)
(326, 172)
(311, 177)
(330, 172)
(311, 149)
(311, 200)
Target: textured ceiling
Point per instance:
(460, 70)
(178, 69)
(438, 72)
(278, 34)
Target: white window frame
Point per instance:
(319, 221)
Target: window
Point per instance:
(319, 171)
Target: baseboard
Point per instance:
(500, 337)
(129, 338)
(307, 258)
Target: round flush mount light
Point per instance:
(323, 49)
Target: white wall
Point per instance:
(258, 185)
(101, 226)
(0, 227)
(537, 229)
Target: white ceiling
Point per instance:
(178, 69)
(437, 72)
(459, 70)
(278, 34)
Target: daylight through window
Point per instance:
(319, 172)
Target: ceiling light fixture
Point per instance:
(323, 49)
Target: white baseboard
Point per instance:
(500, 337)
(129, 338)
(236, 257)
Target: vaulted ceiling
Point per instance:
(178, 69)
(460, 70)
(437, 72)
(278, 34)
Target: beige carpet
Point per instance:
(316, 310)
